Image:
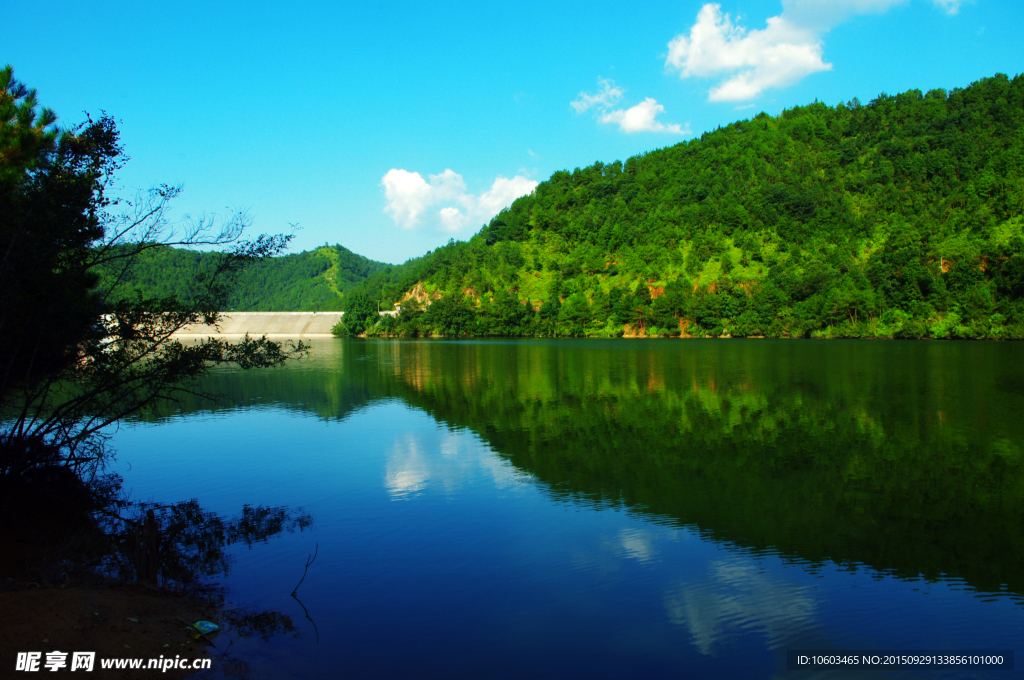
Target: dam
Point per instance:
(271, 324)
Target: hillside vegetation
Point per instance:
(308, 281)
(897, 218)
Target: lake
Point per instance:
(612, 508)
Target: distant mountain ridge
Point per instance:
(307, 281)
(898, 218)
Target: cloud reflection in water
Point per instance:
(639, 544)
(447, 462)
(739, 597)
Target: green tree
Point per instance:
(449, 315)
(511, 316)
(360, 315)
(75, 358)
(815, 222)
(574, 314)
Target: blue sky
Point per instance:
(391, 127)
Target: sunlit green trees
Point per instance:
(900, 218)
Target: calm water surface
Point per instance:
(614, 509)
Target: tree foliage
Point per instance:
(899, 218)
(77, 356)
(309, 281)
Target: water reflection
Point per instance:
(829, 452)
(407, 469)
(736, 596)
(189, 544)
(412, 466)
(62, 532)
(637, 544)
(503, 509)
(908, 457)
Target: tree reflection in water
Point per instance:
(193, 541)
(906, 458)
(192, 546)
(62, 531)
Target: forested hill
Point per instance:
(896, 218)
(307, 281)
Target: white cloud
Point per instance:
(479, 209)
(951, 6)
(821, 17)
(501, 194)
(642, 118)
(409, 197)
(639, 118)
(776, 56)
(786, 51)
(608, 96)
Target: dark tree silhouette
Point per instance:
(75, 357)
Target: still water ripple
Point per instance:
(616, 509)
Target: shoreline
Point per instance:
(116, 621)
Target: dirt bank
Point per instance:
(125, 621)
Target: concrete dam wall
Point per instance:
(270, 324)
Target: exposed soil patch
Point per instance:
(126, 621)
